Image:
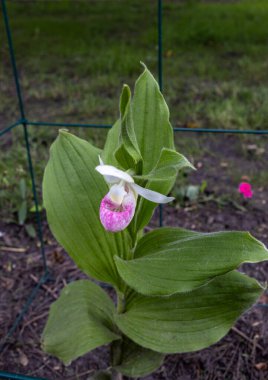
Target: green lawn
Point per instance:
(74, 56)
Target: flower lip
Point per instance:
(114, 218)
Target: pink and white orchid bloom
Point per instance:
(117, 208)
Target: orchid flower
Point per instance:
(117, 208)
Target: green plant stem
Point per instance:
(116, 375)
(120, 303)
(116, 358)
(116, 347)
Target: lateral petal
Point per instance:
(151, 195)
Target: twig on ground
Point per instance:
(13, 249)
(35, 319)
(234, 329)
(80, 374)
(44, 286)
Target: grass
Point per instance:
(73, 57)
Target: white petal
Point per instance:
(151, 195)
(114, 173)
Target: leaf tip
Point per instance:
(264, 285)
(124, 99)
(126, 91)
(63, 131)
(144, 66)
(191, 166)
(148, 76)
(146, 71)
(249, 235)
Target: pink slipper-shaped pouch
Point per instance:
(115, 217)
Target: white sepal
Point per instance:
(108, 178)
(114, 174)
(151, 195)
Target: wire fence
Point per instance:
(23, 123)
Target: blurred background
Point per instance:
(73, 57)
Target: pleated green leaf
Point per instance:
(190, 321)
(151, 120)
(128, 154)
(167, 167)
(176, 260)
(111, 145)
(72, 191)
(160, 238)
(79, 321)
(138, 361)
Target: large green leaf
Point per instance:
(182, 264)
(189, 321)
(138, 361)
(72, 191)
(79, 321)
(151, 120)
(154, 241)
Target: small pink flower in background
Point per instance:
(245, 189)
